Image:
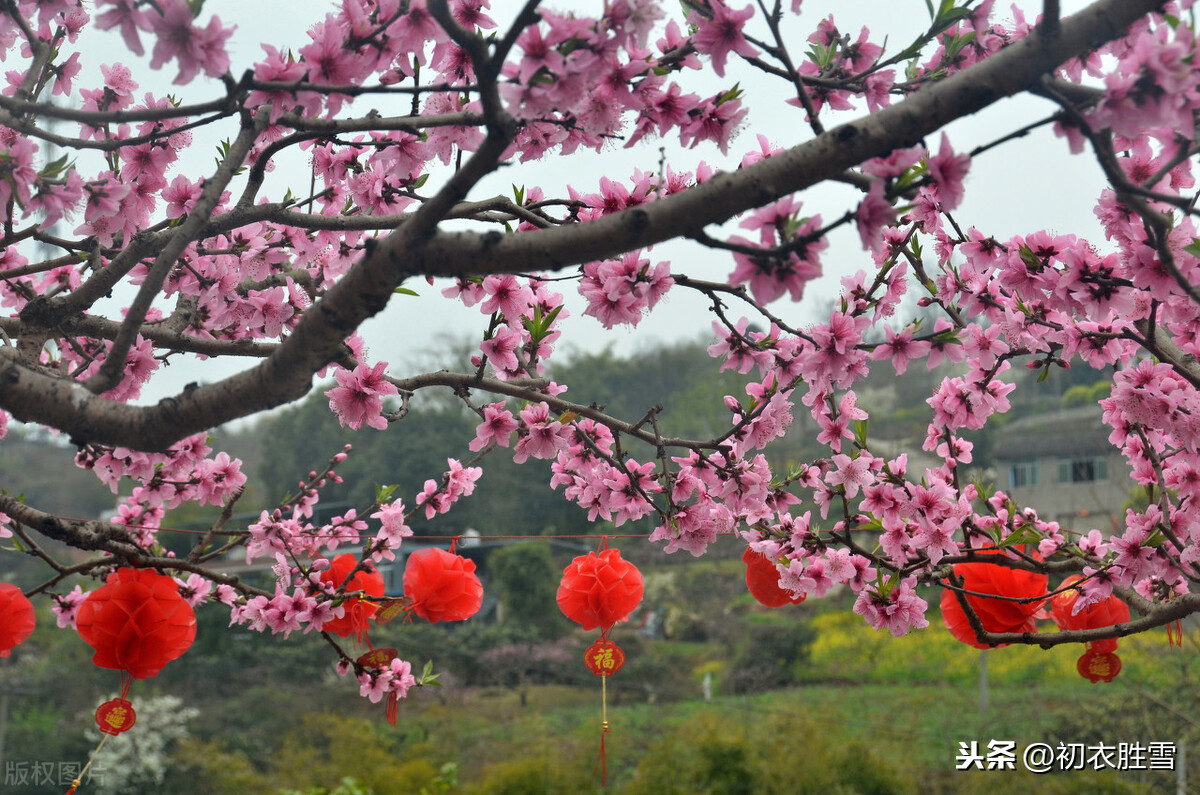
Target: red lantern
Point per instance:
(115, 716)
(16, 618)
(996, 615)
(377, 658)
(604, 658)
(1101, 614)
(598, 590)
(137, 622)
(357, 611)
(442, 586)
(1098, 665)
(1100, 661)
(762, 578)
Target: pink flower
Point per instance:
(124, 14)
(392, 530)
(852, 474)
(358, 398)
(194, 48)
(497, 426)
(874, 213)
(897, 609)
(65, 607)
(947, 170)
(720, 34)
(543, 438)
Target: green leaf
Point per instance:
(729, 95)
(1193, 248)
(428, 677)
(1026, 535)
(405, 291)
(384, 493)
(56, 167)
(860, 432)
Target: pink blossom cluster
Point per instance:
(188, 472)
(611, 490)
(457, 482)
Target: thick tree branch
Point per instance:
(417, 248)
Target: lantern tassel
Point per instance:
(1175, 633)
(79, 780)
(391, 708)
(603, 761)
(603, 764)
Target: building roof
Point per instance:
(1067, 432)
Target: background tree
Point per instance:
(402, 111)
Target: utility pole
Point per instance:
(983, 683)
(1181, 767)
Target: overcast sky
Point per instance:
(1019, 188)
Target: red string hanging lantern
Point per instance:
(357, 611)
(762, 578)
(17, 618)
(996, 615)
(442, 586)
(1100, 661)
(137, 622)
(598, 590)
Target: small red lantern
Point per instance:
(604, 658)
(442, 586)
(17, 618)
(598, 590)
(762, 578)
(1100, 661)
(377, 658)
(996, 615)
(137, 622)
(115, 716)
(1096, 666)
(357, 611)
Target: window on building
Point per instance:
(1085, 469)
(1023, 474)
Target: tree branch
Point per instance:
(418, 248)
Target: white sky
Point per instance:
(1022, 187)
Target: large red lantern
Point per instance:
(996, 615)
(17, 618)
(1100, 661)
(762, 578)
(137, 622)
(598, 590)
(442, 586)
(357, 612)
